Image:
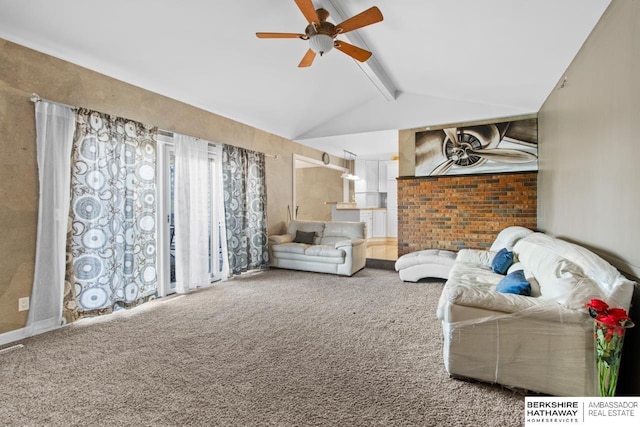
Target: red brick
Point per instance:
(464, 211)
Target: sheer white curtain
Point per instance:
(191, 212)
(55, 125)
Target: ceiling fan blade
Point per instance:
(308, 58)
(443, 168)
(368, 17)
(308, 10)
(353, 51)
(504, 155)
(452, 134)
(280, 36)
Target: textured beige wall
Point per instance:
(314, 187)
(407, 152)
(23, 72)
(589, 148)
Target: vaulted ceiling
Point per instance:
(434, 62)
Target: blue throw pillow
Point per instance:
(515, 283)
(502, 261)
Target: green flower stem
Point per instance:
(608, 343)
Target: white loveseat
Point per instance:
(541, 343)
(337, 247)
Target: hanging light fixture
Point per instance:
(320, 43)
(349, 159)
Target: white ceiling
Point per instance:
(448, 61)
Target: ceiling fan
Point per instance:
(322, 34)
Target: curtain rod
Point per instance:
(170, 133)
(37, 98)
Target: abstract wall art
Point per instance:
(506, 146)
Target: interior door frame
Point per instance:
(297, 158)
(163, 210)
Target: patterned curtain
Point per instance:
(111, 244)
(245, 203)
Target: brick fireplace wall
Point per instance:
(463, 211)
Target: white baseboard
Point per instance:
(31, 330)
(9, 337)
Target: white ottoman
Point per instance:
(426, 263)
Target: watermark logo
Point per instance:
(582, 411)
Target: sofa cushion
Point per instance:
(344, 229)
(324, 250)
(616, 288)
(472, 285)
(514, 283)
(331, 240)
(279, 239)
(425, 256)
(508, 237)
(559, 278)
(292, 248)
(502, 261)
(304, 237)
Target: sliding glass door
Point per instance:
(166, 214)
(217, 244)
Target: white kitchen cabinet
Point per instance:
(360, 185)
(379, 223)
(392, 222)
(371, 175)
(366, 216)
(367, 200)
(392, 194)
(372, 200)
(382, 177)
(392, 170)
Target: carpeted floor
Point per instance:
(278, 348)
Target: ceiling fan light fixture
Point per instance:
(321, 43)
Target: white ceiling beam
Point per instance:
(371, 67)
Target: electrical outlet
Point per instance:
(23, 304)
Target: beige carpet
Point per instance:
(279, 348)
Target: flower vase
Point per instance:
(608, 352)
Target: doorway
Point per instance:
(166, 213)
(316, 188)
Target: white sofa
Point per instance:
(541, 343)
(338, 247)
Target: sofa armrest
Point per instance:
(475, 256)
(281, 238)
(349, 242)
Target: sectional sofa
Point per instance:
(542, 342)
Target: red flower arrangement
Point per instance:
(609, 329)
(601, 311)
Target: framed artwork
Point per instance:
(509, 146)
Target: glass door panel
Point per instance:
(167, 236)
